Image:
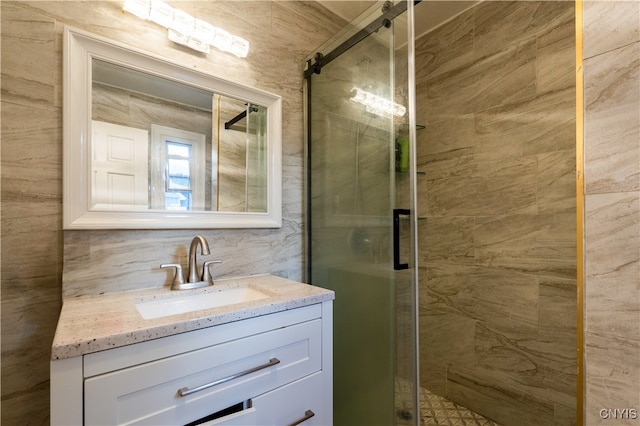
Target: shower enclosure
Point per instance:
(472, 189)
(361, 229)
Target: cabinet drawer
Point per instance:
(150, 393)
(300, 402)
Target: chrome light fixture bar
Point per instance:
(187, 30)
(377, 104)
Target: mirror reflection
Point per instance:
(162, 145)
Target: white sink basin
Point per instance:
(199, 301)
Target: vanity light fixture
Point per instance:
(377, 104)
(187, 30)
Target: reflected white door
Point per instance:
(119, 166)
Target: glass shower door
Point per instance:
(360, 236)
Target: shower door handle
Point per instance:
(396, 238)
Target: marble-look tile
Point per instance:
(494, 351)
(510, 173)
(445, 339)
(512, 21)
(556, 182)
(509, 193)
(25, 365)
(503, 301)
(31, 210)
(31, 160)
(556, 52)
(22, 406)
(446, 239)
(491, 394)
(101, 261)
(612, 375)
(542, 244)
(618, 291)
(557, 305)
(554, 355)
(545, 123)
(29, 50)
(453, 135)
(542, 367)
(618, 21)
(612, 121)
(446, 48)
(613, 226)
(505, 77)
(564, 416)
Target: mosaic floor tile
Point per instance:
(437, 410)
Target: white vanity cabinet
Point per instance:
(274, 369)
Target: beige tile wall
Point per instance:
(33, 243)
(612, 207)
(497, 249)
(32, 173)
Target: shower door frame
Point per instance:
(393, 11)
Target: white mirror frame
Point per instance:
(80, 48)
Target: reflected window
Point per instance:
(178, 190)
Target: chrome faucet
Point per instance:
(194, 279)
(193, 264)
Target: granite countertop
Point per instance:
(95, 323)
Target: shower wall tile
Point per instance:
(507, 76)
(541, 124)
(448, 239)
(446, 135)
(555, 53)
(618, 21)
(556, 182)
(447, 48)
(497, 247)
(557, 307)
(564, 415)
(494, 351)
(489, 393)
(612, 128)
(498, 28)
(451, 338)
(472, 291)
(540, 244)
(481, 196)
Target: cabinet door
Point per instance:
(298, 403)
(175, 390)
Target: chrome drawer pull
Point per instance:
(307, 415)
(187, 391)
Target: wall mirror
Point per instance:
(152, 144)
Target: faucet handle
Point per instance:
(177, 277)
(206, 275)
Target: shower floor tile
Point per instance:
(437, 410)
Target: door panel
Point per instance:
(119, 166)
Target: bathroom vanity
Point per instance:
(261, 356)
